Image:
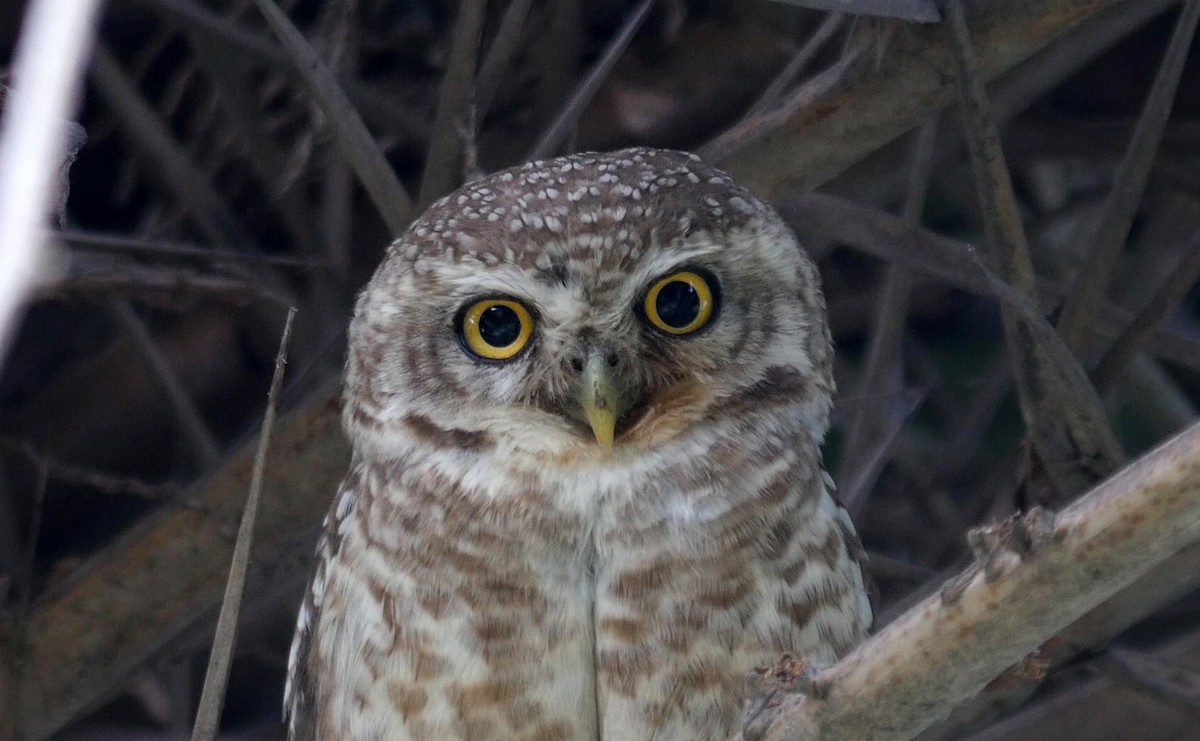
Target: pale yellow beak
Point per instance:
(599, 399)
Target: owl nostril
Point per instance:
(577, 363)
(613, 359)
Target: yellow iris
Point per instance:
(679, 303)
(496, 329)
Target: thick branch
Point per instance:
(168, 573)
(799, 148)
(1033, 576)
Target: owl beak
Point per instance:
(598, 398)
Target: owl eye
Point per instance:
(681, 303)
(495, 329)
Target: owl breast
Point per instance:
(532, 602)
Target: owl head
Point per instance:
(596, 304)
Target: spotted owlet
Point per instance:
(586, 398)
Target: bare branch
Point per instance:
(870, 106)
(208, 717)
(191, 422)
(356, 143)
(799, 61)
(500, 54)
(1174, 287)
(822, 216)
(68, 473)
(562, 125)
(1053, 400)
(1104, 240)
(167, 573)
(150, 137)
(444, 163)
(913, 10)
(887, 333)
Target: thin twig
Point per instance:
(862, 106)
(1053, 395)
(499, 55)
(382, 109)
(799, 61)
(25, 597)
(566, 120)
(817, 88)
(105, 279)
(54, 44)
(123, 244)
(208, 716)
(68, 473)
(1172, 290)
(1103, 241)
(820, 216)
(862, 477)
(266, 159)
(891, 314)
(355, 142)
(444, 162)
(924, 11)
(144, 129)
(191, 422)
(1156, 676)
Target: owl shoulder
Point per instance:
(300, 689)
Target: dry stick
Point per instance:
(798, 63)
(500, 54)
(444, 162)
(1108, 235)
(891, 314)
(208, 716)
(191, 422)
(566, 120)
(93, 280)
(25, 602)
(169, 570)
(69, 473)
(868, 467)
(189, 16)
(554, 57)
(1018, 89)
(124, 244)
(913, 10)
(52, 49)
(1033, 576)
(1163, 680)
(353, 139)
(1053, 396)
(150, 137)
(267, 160)
(1172, 290)
(823, 86)
(874, 103)
(877, 233)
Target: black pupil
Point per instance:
(499, 326)
(677, 304)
